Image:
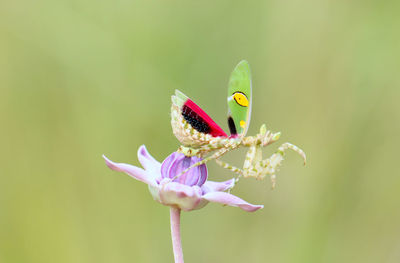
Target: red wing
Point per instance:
(199, 120)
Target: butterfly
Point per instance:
(200, 135)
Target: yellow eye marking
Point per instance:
(242, 124)
(241, 99)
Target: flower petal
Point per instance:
(135, 172)
(211, 186)
(231, 200)
(151, 165)
(203, 175)
(168, 164)
(183, 196)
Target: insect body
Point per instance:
(202, 137)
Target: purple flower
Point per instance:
(189, 191)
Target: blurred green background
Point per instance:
(83, 78)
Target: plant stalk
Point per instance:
(175, 214)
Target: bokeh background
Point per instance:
(82, 78)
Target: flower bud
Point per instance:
(176, 163)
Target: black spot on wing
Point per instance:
(195, 120)
(232, 127)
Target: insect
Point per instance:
(201, 136)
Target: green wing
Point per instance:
(239, 99)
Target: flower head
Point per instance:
(188, 191)
(176, 163)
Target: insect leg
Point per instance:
(287, 145)
(271, 165)
(234, 169)
(215, 155)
